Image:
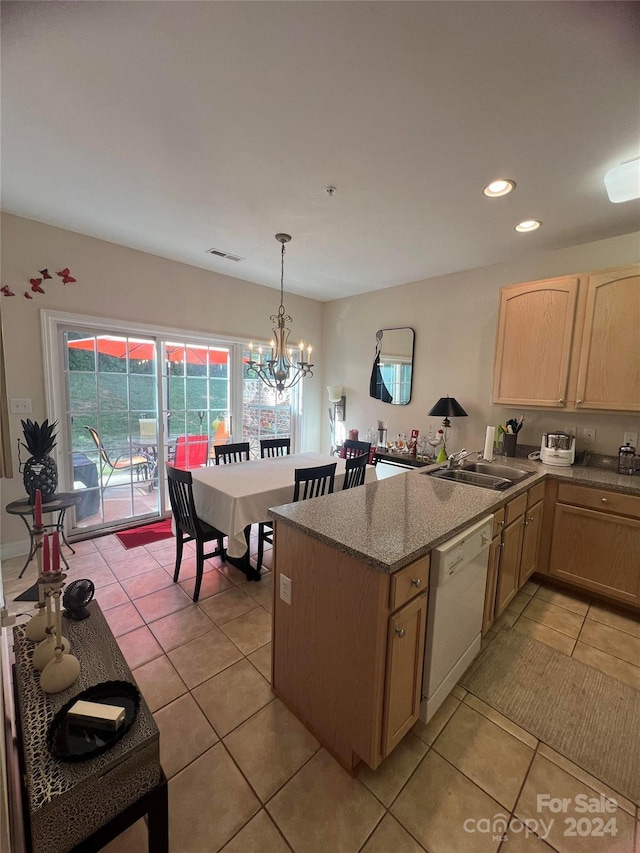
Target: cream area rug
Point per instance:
(589, 717)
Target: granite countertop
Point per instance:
(392, 522)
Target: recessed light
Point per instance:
(623, 182)
(500, 186)
(528, 225)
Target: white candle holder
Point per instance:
(64, 668)
(36, 629)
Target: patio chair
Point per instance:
(191, 452)
(355, 469)
(124, 462)
(274, 447)
(189, 527)
(228, 453)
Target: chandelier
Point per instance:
(282, 369)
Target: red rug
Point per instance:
(144, 535)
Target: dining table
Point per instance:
(233, 497)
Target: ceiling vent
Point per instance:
(220, 254)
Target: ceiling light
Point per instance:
(528, 225)
(499, 187)
(623, 182)
(283, 369)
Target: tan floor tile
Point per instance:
(123, 618)
(262, 592)
(261, 659)
(227, 605)
(188, 567)
(161, 545)
(209, 802)
(231, 573)
(180, 627)
(85, 547)
(549, 636)
(111, 596)
(249, 631)
(500, 720)
(204, 657)
(132, 840)
(518, 602)
(212, 584)
(626, 622)
(390, 837)
(491, 757)
(159, 683)
(270, 747)
(525, 841)
(232, 696)
(185, 734)
(435, 804)
(109, 543)
(259, 834)
(99, 574)
(387, 780)
(324, 809)
(574, 603)
(146, 583)
(554, 617)
(429, 732)
(134, 564)
(587, 778)
(507, 618)
(162, 603)
(530, 588)
(459, 692)
(139, 646)
(616, 643)
(546, 778)
(616, 668)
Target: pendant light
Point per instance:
(287, 365)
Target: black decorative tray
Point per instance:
(69, 740)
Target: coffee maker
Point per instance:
(558, 448)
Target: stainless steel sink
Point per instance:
(472, 478)
(494, 469)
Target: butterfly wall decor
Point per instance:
(36, 283)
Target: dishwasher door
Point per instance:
(456, 606)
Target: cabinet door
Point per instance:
(492, 585)
(405, 661)
(509, 572)
(597, 551)
(530, 542)
(533, 346)
(609, 369)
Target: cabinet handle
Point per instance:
(578, 402)
(400, 632)
(501, 524)
(604, 500)
(525, 522)
(417, 582)
(561, 399)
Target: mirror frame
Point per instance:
(380, 355)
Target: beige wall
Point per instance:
(121, 283)
(455, 319)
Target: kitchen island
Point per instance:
(351, 586)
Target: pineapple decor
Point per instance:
(40, 470)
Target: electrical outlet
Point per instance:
(21, 406)
(588, 435)
(630, 438)
(570, 430)
(285, 589)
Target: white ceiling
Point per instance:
(174, 127)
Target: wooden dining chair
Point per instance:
(351, 448)
(274, 447)
(309, 483)
(189, 527)
(355, 470)
(228, 453)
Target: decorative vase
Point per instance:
(40, 473)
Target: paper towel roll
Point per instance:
(489, 441)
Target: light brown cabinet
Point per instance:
(570, 343)
(348, 652)
(596, 542)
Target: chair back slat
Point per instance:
(182, 504)
(274, 447)
(228, 453)
(355, 470)
(355, 448)
(313, 482)
(191, 451)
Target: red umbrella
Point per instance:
(146, 350)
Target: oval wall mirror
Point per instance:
(392, 371)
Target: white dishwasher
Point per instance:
(456, 607)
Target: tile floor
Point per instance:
(245, 775)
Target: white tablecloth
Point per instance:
(230, 497)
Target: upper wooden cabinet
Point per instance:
(570, 343)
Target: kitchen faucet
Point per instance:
(456, 458)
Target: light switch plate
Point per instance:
(21, 406)
(631, 438)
